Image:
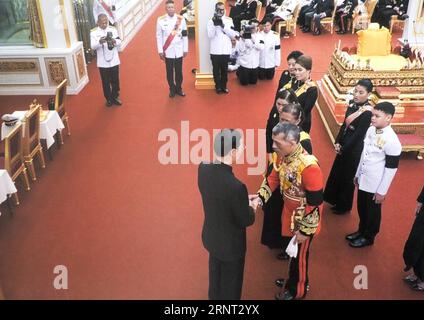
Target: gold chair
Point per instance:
(290, 24)
(395, 21)
(14, 159)
(31, 142)
(370, 5)
(59, 106)
(330, 20)
(258, 9)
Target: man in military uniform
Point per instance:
(270, 57)
(105, 41)
(172, 42)
(300, 179)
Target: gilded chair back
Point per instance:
(59, 101)
(14, 159)
(32, 130)
(330, 20)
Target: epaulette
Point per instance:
(311, 84)
(304, 136)
(162, 17)
(112, 27)
(95, 28)
(229, 18)
(276, 33)
(308, 160)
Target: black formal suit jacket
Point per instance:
(227, 212)
(326, 6)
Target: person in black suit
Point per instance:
(228, 211)
(322, 9)
(413, 253)
(348, 145)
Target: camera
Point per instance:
(247, 31)
(217, 20)
(109, 40)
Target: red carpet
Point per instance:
(127, 227)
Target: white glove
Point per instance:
(291, 249)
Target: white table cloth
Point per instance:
(48, 127)
(7, 186)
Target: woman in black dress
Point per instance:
(271, 230)
(348, 145)
(413, 253)
(305, 89)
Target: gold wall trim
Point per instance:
(65, 23)
(43, 30)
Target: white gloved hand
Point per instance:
(291, 249)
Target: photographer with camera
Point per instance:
(172, 43)
(105, 41)
(220, 32)
(250, 46)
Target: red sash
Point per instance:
(107, 9)
(356, 114)
(172, 34)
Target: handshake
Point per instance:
(255, 201)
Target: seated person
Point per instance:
(282, 13)
(272, 5)
(249, 46)
(387, 8)
(247, 14)
(344, 12)
(322, 9)
(305, 7)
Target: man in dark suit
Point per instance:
(228, 211)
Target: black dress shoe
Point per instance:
(360, 242)
(218, 90)
(181, 93)
(225, 90)
(284, 296)
(409, 280)
(108, 103)
(172, 94)
(306, 30)
(353, 236)
(280, 282)
(283, 256)
(117, 102)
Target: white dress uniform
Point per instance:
(164, 26)
(379, 160)
(270, 56)
(221, 37)
(105, 58)
(285, 11)
(250, 50)
(99, 9)
(108, 62)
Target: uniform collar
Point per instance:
(380, 131)
(294, 155)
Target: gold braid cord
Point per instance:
(308, 224)
(265, 191)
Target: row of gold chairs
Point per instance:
(20, 149)
(290, 24)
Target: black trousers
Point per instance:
(267, 74)
(110, 82)
(174, 73)
(220, 70)
(384, 17)
(298, 271)
(247, 76)
(271, 228)
(340, 188)
(369, 215)
(225, 279)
